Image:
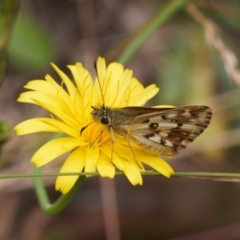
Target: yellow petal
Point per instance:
(53, 103)
(60, 126)
(105, 167)
(101, 72)
(84, 84)
(111, 83)
(132, 173)
(44, 125)
(155, 162)
(75, 142)
(32, 126)
(81, 77)
(57, 112)
(32, 96)
(118, 162)
(70, 86)
(116, 159)
(62, 95)
(123, 93)
(101, 68)
(74, 163)
(41, 85)
(52, 150)
(142, 97)
(92, 155)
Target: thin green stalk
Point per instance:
(210, 175)
(61, 203)
(132, 44)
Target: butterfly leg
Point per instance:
(130, 146)
(112, 140)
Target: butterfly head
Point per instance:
(102, 114)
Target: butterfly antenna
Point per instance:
(96, 70)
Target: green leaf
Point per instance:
(5, 131)
(31, 48)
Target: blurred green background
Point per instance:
(189, 70)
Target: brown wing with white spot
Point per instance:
(166, 131)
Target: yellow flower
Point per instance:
(89, 145)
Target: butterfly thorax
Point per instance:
(113, 117)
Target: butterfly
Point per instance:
(163, 131)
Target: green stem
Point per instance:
(206, 174)
(131, 45)
(8, 13)
(5, 132)
(61, 203)
(38, 174)
(227, 177)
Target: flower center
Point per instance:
(96, 133)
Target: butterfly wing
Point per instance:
(166, 131)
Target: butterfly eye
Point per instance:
(104, 120)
